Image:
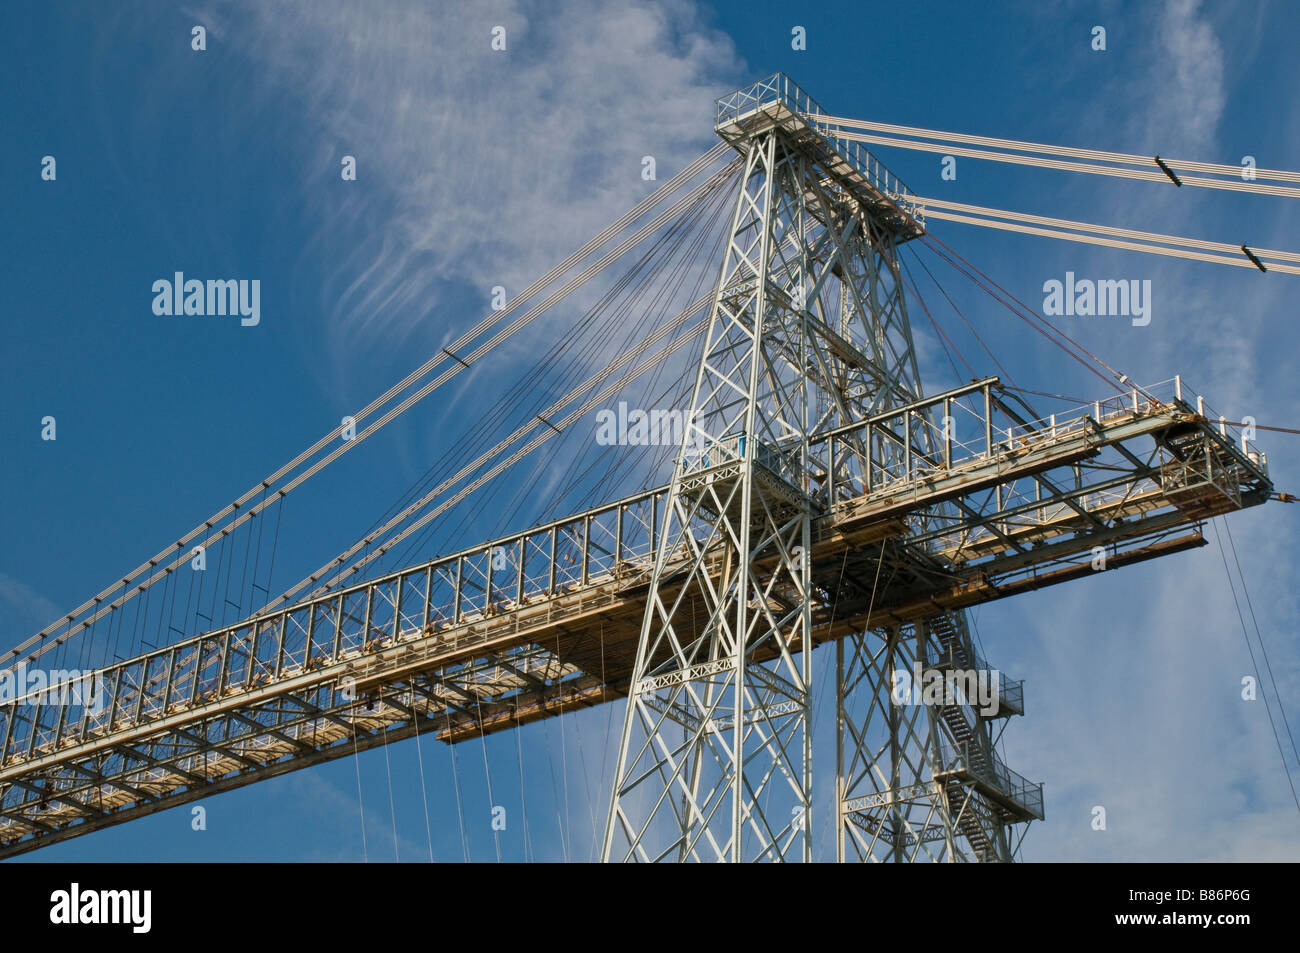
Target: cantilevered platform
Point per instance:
(995, 505)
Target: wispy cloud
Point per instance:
(1183, 93)
(477, 167)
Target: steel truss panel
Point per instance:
(808, 337)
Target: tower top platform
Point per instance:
(779, 102)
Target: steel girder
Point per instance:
(1032, 503)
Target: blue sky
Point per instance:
(478, 168)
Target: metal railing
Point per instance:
(964, 758)
(450, 593)
(900, 447)
(1006, 691)
(1203, 469)
(1234, 432)
(735, 447)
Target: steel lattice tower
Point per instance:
(808, 332)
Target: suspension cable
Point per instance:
(1237, 184)
(548, 429)
(988, 218)
(1097, 154)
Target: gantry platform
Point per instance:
(777, 101)
(458, 647)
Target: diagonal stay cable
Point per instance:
(550, 413)
(178, 552)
